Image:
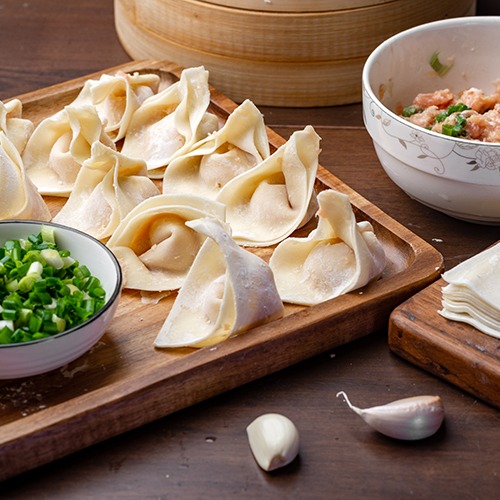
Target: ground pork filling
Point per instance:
(471, 114)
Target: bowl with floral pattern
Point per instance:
(452, 174)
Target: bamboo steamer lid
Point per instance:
(291, 58)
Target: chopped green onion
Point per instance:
(456, 130)
(35, 323)
(27, 282)
(453, 108)
(5, 335)
(440, 68)
(9, 314)
(67, 260)
(81, 272)
(11, 302)
(47, 234)
(12, 286)
(33, 239)
(59, 322)
(35, 268)
(52, 258)
(410, 111)
(5, 323)
(40, 335)
(24, 316)
(20, 335)
(43, 290)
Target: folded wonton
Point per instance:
(268, 202)
(108, 186)
(227, 291)
(58, 147)
(154, 245)
(473, 290)
(116, 98)
(238, 146)
(167, 124)
(337, 257)
(19, 198)
(16, 128)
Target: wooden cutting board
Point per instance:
(124, 382)
(454, 351)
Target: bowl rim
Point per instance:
(470, 20)
(109, 303)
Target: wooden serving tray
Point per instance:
(454, 351)
(124, 382)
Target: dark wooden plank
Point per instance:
(202, 452)
(451, 350)
(162, 382)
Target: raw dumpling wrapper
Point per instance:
(116, 98)
(270, 201)
(227, 291)
(19, 198)
(473, 292)
(154, 245)
(339, 256)
(109, 185)
(58, 147)
(169, 123)
(16, 128)
(238, 146)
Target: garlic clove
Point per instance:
(274, 440)
(412, 418)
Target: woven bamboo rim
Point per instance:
(267, 84)
(281, 37)
(296, 5)
(297, 80)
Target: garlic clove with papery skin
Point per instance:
(410, 419)
(274, 440)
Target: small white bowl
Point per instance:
(456, 176)
(39, 356)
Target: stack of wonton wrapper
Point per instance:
(472, 294)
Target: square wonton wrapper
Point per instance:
(473, 292)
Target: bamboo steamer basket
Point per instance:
(281, 57)
(296, 5)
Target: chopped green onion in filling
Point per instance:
(456, 130)
(410, 111)
(440, 68)
(43, 290)
(459, 128)
(453, 108)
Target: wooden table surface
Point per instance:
(202, 451)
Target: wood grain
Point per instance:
(124, 382)
(451, 350)
(273, 58)
(277, 37)
(297, 5)
(202, 451)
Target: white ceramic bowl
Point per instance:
(458, 177)
(39, 356)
